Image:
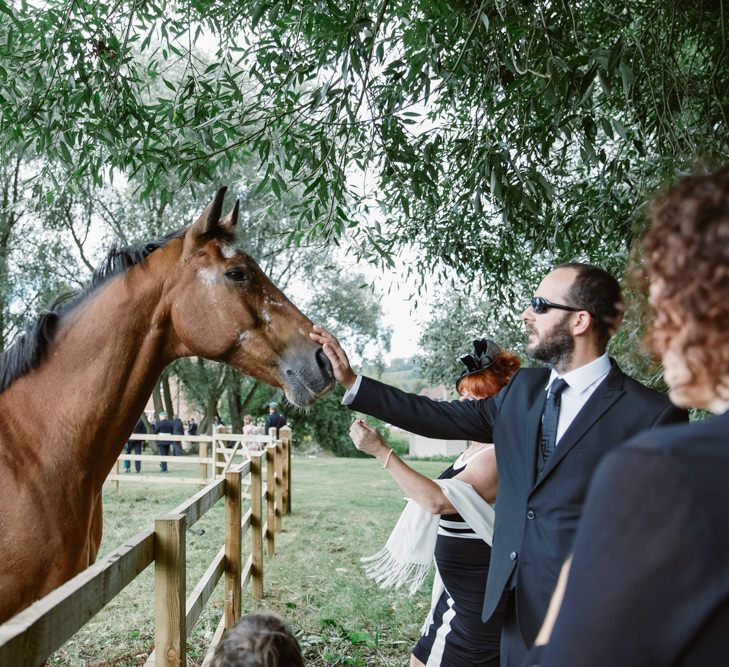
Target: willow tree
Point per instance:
(482, 133)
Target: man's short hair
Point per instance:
(598, 292)
(258, 640)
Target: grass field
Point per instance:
(342, 509)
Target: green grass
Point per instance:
(342, 509)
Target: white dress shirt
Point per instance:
(349, 395)
(581, 383)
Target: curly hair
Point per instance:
(490, 380)
(258, 640)
(686, 262)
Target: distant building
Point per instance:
(421, 446)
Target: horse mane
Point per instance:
(30, 348)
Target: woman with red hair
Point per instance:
(449, 520)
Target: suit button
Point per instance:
(513, 555)
(530, 514)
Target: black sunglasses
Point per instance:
(541, 305)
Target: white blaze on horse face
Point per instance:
(228, 251)
(265, 315)
(271, 301)
(208, 277)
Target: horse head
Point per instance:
(225, 308)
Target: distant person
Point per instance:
(192, 426)
(249, 428)
(163, 425)
(649, 583)
(258, 640)
(274, 419)
(178, 428)
(135, 446)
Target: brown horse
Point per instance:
(74, 385)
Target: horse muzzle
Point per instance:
(307, 377)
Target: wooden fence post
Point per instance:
(169, 591)
(219, 458)
(286, 439)
(279, 486)
(256, 525)
(116, 483)
(271, 499)
(203, 454)
(233, 545)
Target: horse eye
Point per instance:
(238, 275)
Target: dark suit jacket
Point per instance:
(649, 583)
(536, 517)
(164, 426)
(178, 427)
(273, 420)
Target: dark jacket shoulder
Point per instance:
(647, 395)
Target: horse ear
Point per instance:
(231, 220)
(209, 219)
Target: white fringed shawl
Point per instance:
(406, 558)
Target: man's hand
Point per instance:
(368, 439)
(343, 372)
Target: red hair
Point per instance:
(489, 381)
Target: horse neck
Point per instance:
(83, 400)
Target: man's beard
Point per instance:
(556, 346)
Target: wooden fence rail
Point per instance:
(225, 450)
(31, 636)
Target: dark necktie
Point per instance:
(550, 419)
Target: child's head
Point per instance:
(258, 640)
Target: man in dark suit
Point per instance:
(164, 425)
(274, 419)
(550, 427)
(135, 446)
(648, 582)
(178, 428)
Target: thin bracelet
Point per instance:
(387, 460)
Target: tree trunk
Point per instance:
(10, 196)
(156, 400)
(167, 395)
(211, 409)
(234, 402)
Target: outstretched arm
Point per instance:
(470, 420)
(481, 474)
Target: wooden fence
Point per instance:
(30, 637)
(216, 453)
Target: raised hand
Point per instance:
(337, 356)
(368, 439)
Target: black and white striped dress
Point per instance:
(457, 637)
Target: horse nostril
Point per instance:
(324, 364)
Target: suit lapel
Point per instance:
(603, 397)
(533, 421)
